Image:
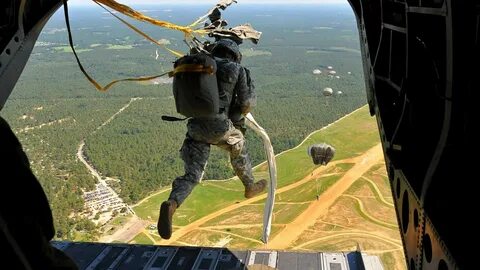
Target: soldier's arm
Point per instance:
(245, 90)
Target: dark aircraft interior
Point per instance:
(420, 67)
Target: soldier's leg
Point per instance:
(235, 144)
(241, 162)
(195, 155)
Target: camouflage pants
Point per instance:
(196, 149)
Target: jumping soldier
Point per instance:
(224, 129)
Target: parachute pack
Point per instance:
(195, 87)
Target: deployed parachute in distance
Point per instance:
(321, 153)
(327, 91)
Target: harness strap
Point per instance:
(172, 118)
(192, 68)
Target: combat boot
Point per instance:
(255, 188)
(164, 225)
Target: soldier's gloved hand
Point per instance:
(236, 117)
(240, 125)
(321, 154)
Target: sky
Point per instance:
(212, 2)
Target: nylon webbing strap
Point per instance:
(70, 40)
(126, 10)
(172, 118)
(137, 79)
(192, 68)
(95, 83)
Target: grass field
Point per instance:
(292, 165)
(142, 239)
(119, 47)
(67, 49)
(308, 192)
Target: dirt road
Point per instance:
(369, 217)
(28, 128)
(132, 227)
(364, 162)
(379, 193)
(81, 147)
(112, 198)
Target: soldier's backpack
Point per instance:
(195, 86)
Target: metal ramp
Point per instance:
(90, 256)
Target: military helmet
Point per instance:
(229, 45)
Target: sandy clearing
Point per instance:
(194, 225)
(377, 190)
(364, 212)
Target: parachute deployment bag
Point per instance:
(195, 86)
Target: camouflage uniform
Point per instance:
(238, 97)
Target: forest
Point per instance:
(53, 107)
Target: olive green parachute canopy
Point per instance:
(321, 154)
(327, 91)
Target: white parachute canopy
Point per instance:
(272, 168)
(327, 91)
(317, 72)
